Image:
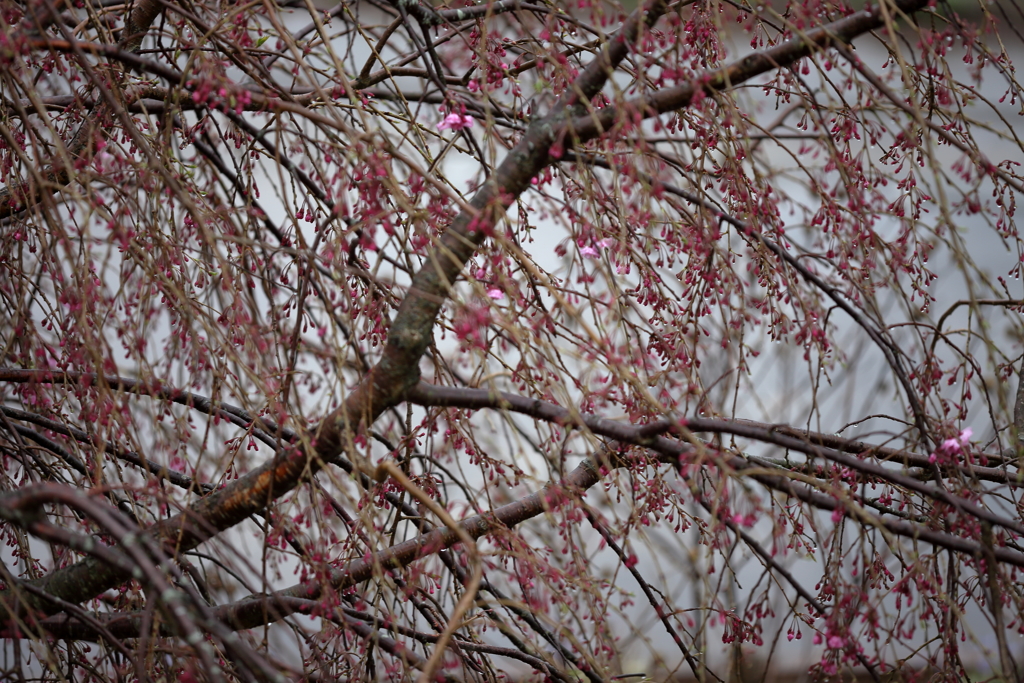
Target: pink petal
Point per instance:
(456, 122)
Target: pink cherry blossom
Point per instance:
(593, 251)
(456, 122)
(952, 446)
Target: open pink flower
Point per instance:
(594, 251)
(456, 122)
(955, 445)
(952, 446)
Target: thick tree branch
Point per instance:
(258, 610)
(781, 56)
(648, 436)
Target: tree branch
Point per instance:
(647, 437)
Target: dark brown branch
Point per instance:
(672, 450)
(781, 56)
(258, 610)
(155, 389)
(251, 613)
(874, 470)
(32, 435)
(648, 592)
(176, 478)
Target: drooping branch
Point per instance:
(258, 610)
(726, 78)
(138, 557)
(648, 436)
(977, 157)
(659, 607)
(262, 428)
(26, 192)
(881, 340)
(783, 55)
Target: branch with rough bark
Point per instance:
(395, 378)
